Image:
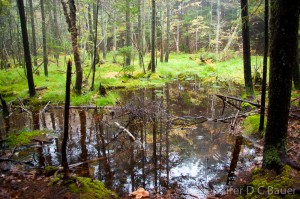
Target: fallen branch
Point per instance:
(124, 129)
(45, 108)
(225, 98)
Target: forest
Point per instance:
(149, 99)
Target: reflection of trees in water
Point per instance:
(161, 147)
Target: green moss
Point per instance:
(251, 124)
(50, 170)
(271, 156)
(91, 189)
(23, 137)
(263, 179)
(54, 181)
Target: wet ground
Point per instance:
(172, 139)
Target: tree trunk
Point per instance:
(168, 32)
(64, 159)
(153, 37)
(33, 33)
(45, 54)
(71, 21)
(90, 46)
(283, 57)
(103, 30)
(231, 38)
(264, 75)
(26, 48)
(115, 32)
(56, 32)
(95, 44)
(140, 33)
(161, 35)
(246, 48)
(177, 36)
(218, 26)
(128, 32)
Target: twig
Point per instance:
(292, 148)
(45, 108)
(22, 106)
(12, 153)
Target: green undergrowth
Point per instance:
(268, 184)
(251, 125)
(111, 75)
(24, 137)
(86, 188)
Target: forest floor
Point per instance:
(112, 75)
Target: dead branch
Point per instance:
(124, 129)
(225, 98)
(45, 108)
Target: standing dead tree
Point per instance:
(64, 160)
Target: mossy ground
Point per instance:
(267, 184)
(251, 124)
(13, 82)
(24, 137)
(86, 188)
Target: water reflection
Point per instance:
(191, 156)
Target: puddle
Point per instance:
(191, 154)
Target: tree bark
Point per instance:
(153, 37)
(264, 75)
(246, 48)
(115, 32)
(95, 55)
(71, 21)
(218, 26)
(34, 53)
(168, 32)
(128, 32)
(283, 57)
(140, 33)
(56, 32)
(64, 158)
(161, 35)
(45, 54)
(103, 31)
(26, 48)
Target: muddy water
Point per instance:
(172, 145)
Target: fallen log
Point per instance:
(225, 98)
(84, 107)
